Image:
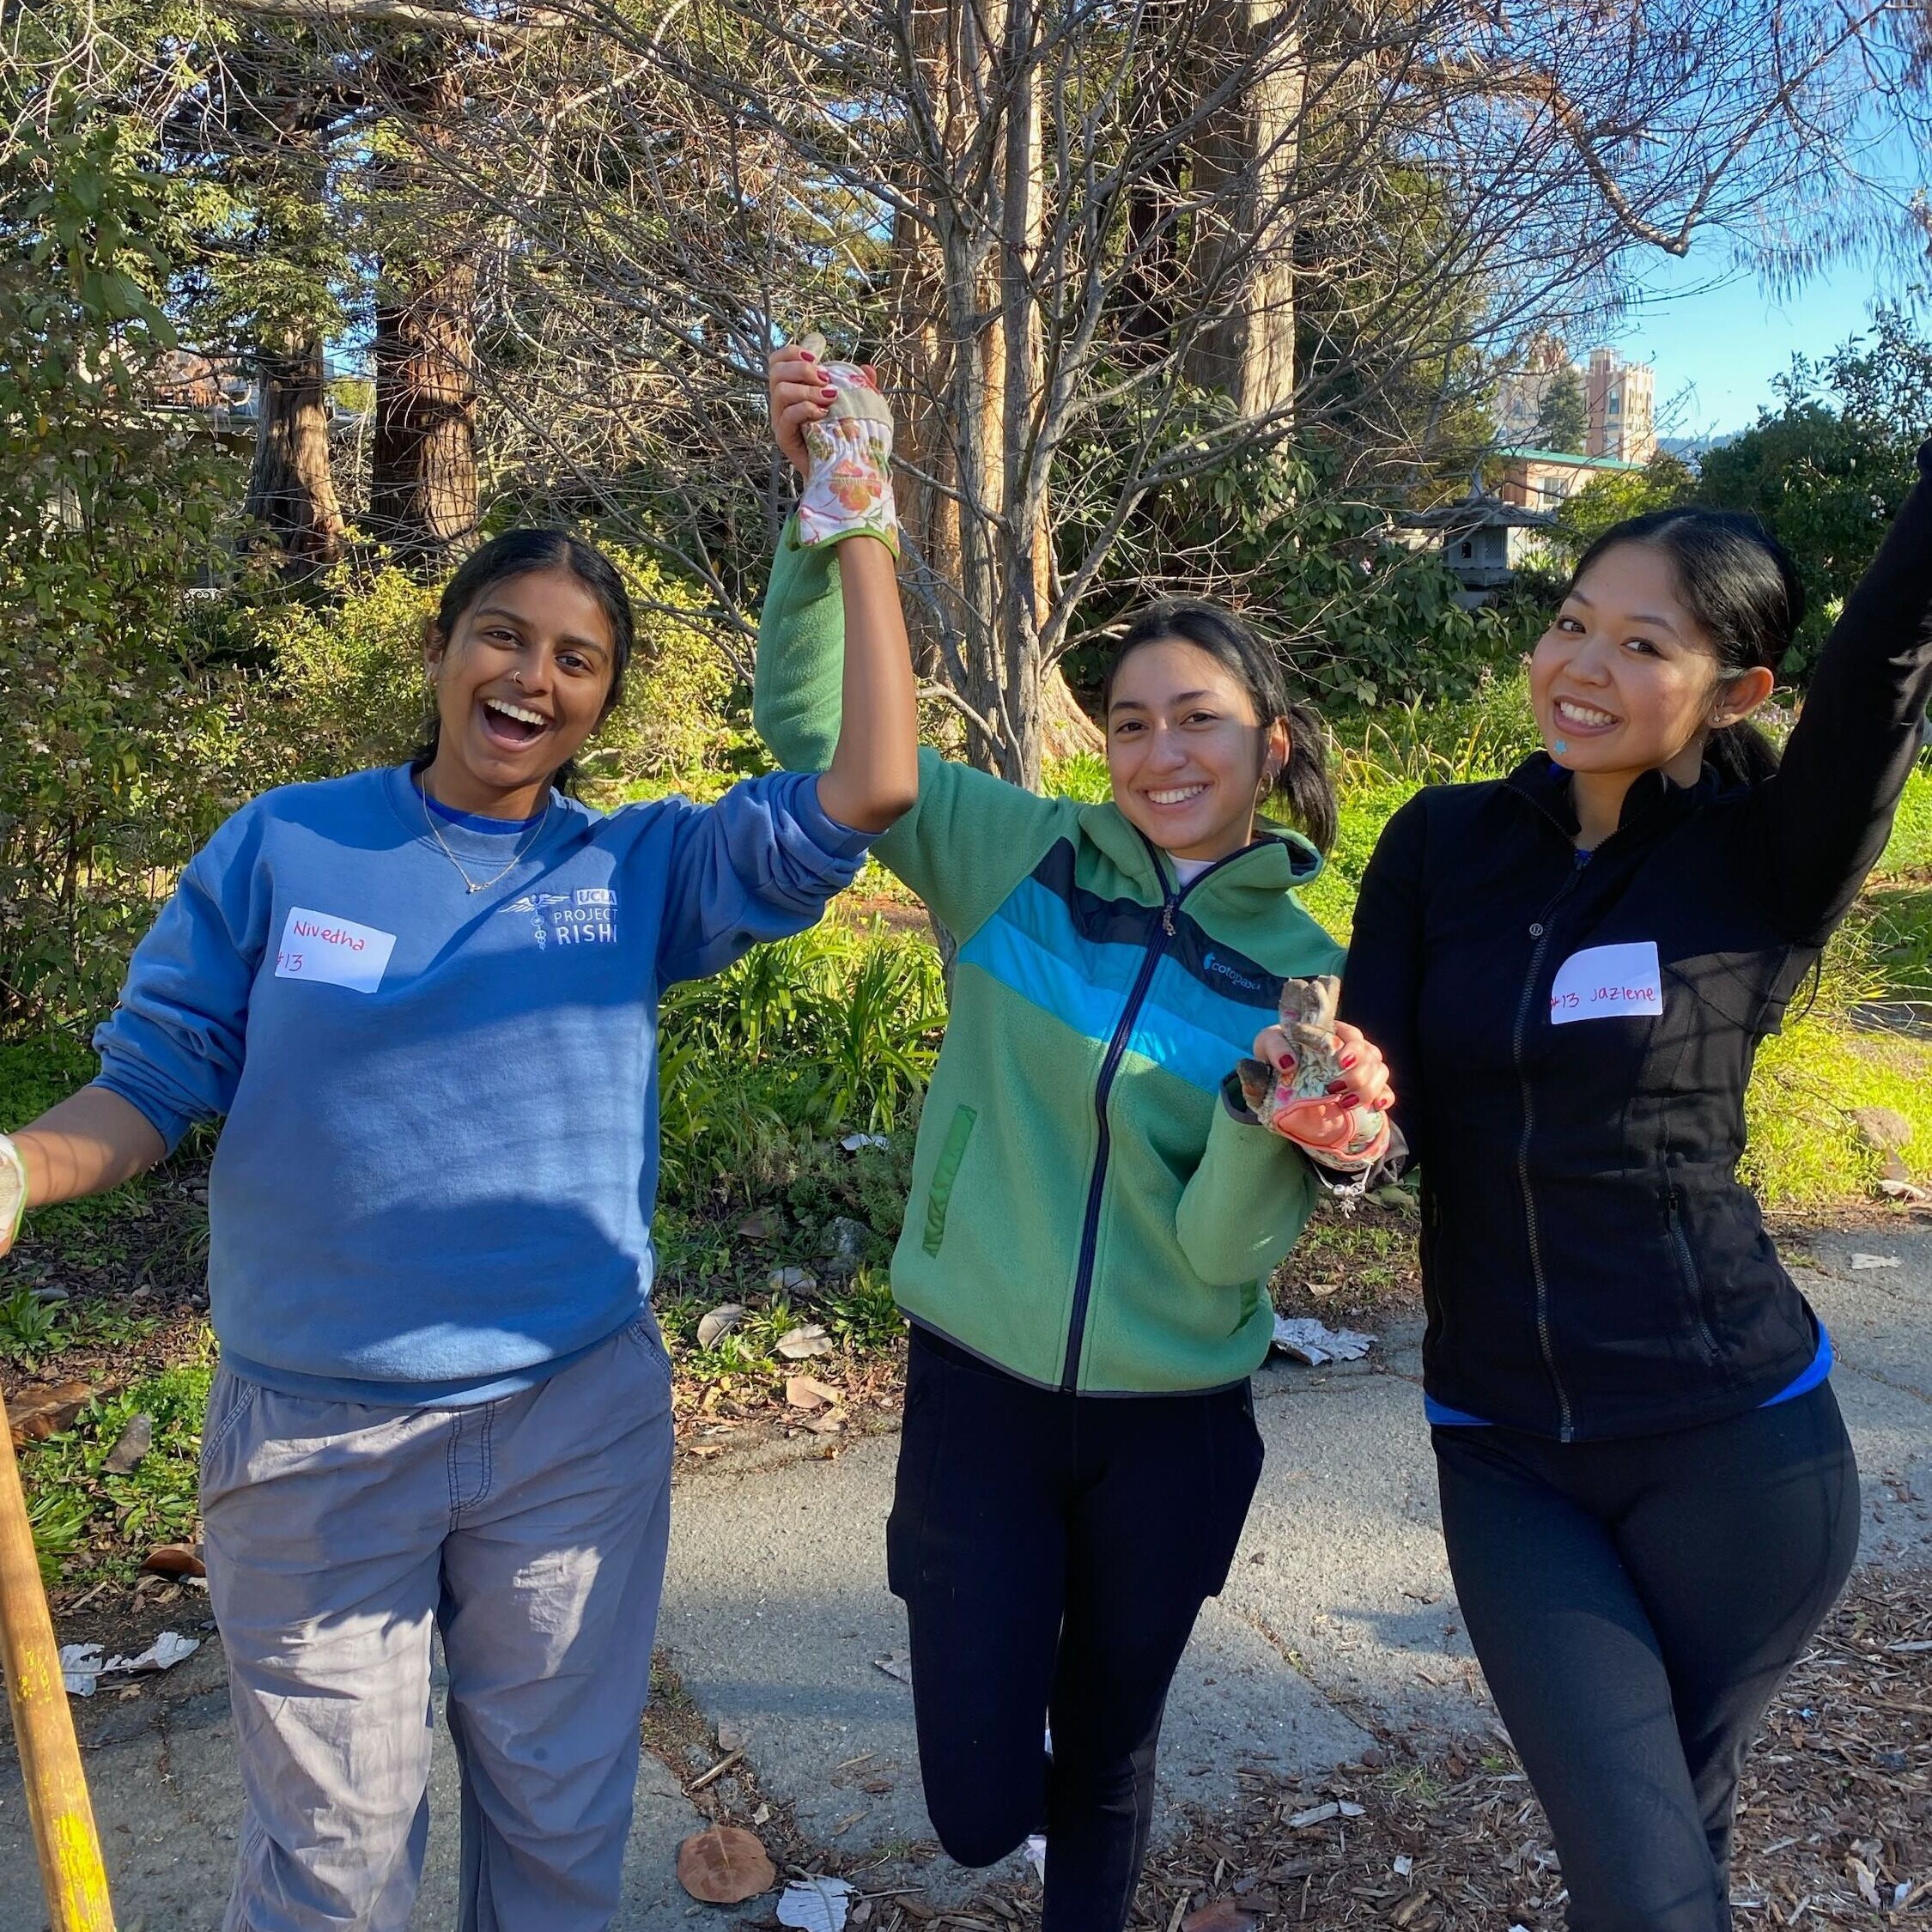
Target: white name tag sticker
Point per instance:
(319, 946)
(1607, 982)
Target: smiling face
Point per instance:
(523, 681)
(1186, 750)
(1625, 681)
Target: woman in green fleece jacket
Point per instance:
(1095, 1211)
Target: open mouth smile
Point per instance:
(512, 725)
(1174, 795)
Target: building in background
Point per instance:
(1623, 408)
(1539, 479)
(1520, 398)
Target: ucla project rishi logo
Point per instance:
(585, 917)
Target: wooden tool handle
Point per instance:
(72, 1872)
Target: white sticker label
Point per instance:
(1607, 982)
(318, 946)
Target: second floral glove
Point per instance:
(849, 490)
(1296, 1101)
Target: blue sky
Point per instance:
(1718, 347)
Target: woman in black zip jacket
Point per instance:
(1647, 1495)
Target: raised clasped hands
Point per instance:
(835, 429)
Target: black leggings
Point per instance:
(1635, 1604)
(1054, 1552)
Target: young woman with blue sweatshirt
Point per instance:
(424, 1002)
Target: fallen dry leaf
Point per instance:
(802, 1343)
(725, 1866)
(714, 1328)
(44, 1409)
(174, 1559)
(806, 1392)
(1223, 1916)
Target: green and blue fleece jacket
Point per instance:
(1087, 1212)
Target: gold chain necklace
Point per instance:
(516, 858)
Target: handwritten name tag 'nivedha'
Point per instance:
(1607, 982)
(339, 952)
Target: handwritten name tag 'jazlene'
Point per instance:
(1607, 982)
(318, 946)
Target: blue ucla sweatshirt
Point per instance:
(435, 1181)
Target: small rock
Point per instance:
(730, 1737)
(843, 1244)
(127, 1453)
(51, 1294)
(1883, 1127)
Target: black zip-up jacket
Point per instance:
(1591, 1264)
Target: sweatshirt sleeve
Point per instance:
(1245, 1205)
(173, 1045)
(1831, 801)
(969, 835)
(1382, 981)
(759, 865)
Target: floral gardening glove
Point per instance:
(848, 492)
(1296, 1101)
(13, 1193)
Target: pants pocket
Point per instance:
(1236, 1453)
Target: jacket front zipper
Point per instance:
(1540, 930)
(1109, 1065)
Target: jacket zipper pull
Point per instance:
(1167, 917)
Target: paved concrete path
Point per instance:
(1339, 1618)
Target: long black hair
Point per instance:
(1740, 584)
(1303, 784)
(516, 553)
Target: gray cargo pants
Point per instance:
(532, 1531)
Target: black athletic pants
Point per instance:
(1635, 1604)
(1053, 1551)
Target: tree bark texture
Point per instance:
(422, 466)
(291, 493)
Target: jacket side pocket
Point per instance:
(1687, 1273)
(944, 1174)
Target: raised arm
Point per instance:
(966, 836)
(1830, 804)
(873, 775)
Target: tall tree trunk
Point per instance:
(422, 459)
(978, 508)
(291, 494)
(1243, 251)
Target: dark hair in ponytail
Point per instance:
(517, 553)
(1302, 783)
(1740, 584)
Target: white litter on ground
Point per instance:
(1308, 1340)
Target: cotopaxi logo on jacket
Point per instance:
(587, 916)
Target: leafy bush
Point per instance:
(818, 1034)
(121, 754)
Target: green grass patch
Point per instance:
(89, 1523)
